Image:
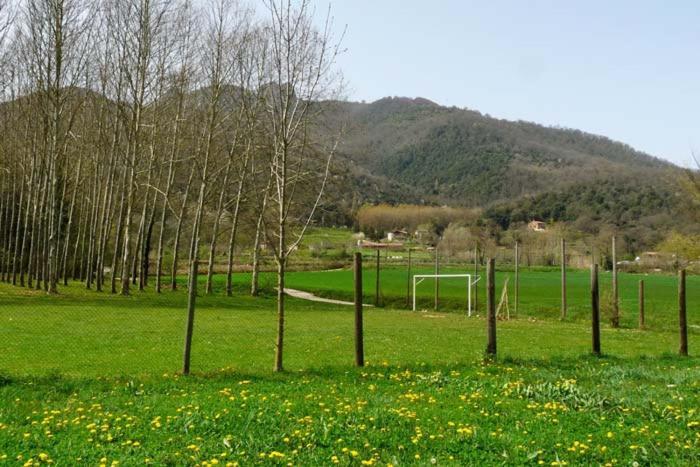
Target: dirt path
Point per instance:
(313, 298)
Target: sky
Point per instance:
(629, 70)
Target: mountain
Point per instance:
(515, 170)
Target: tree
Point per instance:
(55, 36)
(300, 68)
(684, 247)
(135, 41)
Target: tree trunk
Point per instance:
(117, 235)
(255, 275)
(178, 233)
(69, 227)
(279, 344)
(215, 231)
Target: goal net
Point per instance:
(469, 281)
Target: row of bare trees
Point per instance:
(140, 134)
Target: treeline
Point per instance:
(137, 134)
(642, 209)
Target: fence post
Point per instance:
(491, 308)
(682, 319)
(563, 278)
(376, 292)
(191, 298)
(476, 275)
(615, 305)
(517, 278)
(408, 281)
(359, 335)
(595, 309)
(437, 281)
(641, 304)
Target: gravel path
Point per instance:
(311, 297)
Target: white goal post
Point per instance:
(418, 278)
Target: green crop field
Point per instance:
(90, 378)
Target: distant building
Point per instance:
(396, 235)
(537, 226)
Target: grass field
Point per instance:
(540, 292)
(91, 378)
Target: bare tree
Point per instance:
(54, 38)
(179, 88)
(136, 40)
(300, 69)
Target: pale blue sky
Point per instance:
(629, 70)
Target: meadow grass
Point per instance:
(90, 378)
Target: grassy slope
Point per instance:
(423, 393)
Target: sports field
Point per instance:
(539, 296)
(92, 378)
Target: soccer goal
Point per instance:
(467, 278)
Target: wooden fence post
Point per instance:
(376, 291)
(408, 282)
(491, 308)
(191, 298)
(476, 274)
(359, 335)
(682, 318)
(641, 304)
(615, 305)
(517, 278)
(437, 281)
(563, 278)
(595, 309)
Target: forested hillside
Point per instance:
(516, 170)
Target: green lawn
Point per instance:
(92, 378)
